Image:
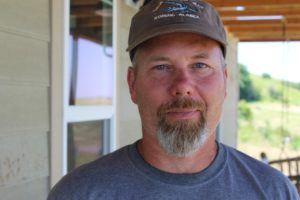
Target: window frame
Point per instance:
(61, 112)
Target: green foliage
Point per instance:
(247, 91)
(266, 76)
(294, 85)
(274, 93)
(266, 125)
(245, 111)
(273, 116)
(295, 143)
(272, 90)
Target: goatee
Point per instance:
(181, 137)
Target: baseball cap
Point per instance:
(160, 17)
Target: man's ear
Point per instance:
(225, 74)
(131, 77)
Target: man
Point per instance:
(178, 81)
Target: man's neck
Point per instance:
(152, 152)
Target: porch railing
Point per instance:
(289, 167)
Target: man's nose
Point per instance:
(181, 84)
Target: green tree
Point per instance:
(247, 91)
(266, 76)
(274, 93)
(245, 111)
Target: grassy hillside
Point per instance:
(272, 122)
(272, 90)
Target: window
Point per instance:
(89, 79)
(86, 142)
(83, 83)
(91, 73)
(91, 53)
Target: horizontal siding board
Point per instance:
(32, 190)
(24, 108)
(31, 16)
(23, 157)
(24, 59)
(24, 99)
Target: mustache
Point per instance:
(182, 103)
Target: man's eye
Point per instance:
(200, 65)
(161, 67)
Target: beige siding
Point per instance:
(128, 121)
(228, 125)
(24, 99)
(24, 107)
(23, 157)
(29, 18)
(34, 189)
(23, 59)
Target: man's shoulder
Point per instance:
(103, 171)
(109, 162)
(248, 163)
(255, 172)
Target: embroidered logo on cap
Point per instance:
(167, 9)
(174, 7)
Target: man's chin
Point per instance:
(182, 148)
(181, 139)
(186, 122)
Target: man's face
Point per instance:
(179, 85)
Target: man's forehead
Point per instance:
(177, 37)
(166, 40)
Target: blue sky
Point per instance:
(279, 59)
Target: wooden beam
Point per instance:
(253, 12)
(233, 3)
(291, 20)
(267, 35)
(88, 11)
(83, 11)
(90, 22)
(295, 19)
(262, 8)
(93, 22)
(251, 22)
(263, 28)
(269, 40)
(83, 2)
(277, 39)
(260, 26)
(260, 18)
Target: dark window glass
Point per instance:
(87, 141)
(91, 53)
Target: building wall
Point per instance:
(128, 122)
(24, 99)
(228, 124)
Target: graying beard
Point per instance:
(183, 138)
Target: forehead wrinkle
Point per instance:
(200, 55)
(158, 58)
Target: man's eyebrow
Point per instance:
(158, 58)
(200, 55)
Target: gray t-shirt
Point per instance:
(125, 175)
